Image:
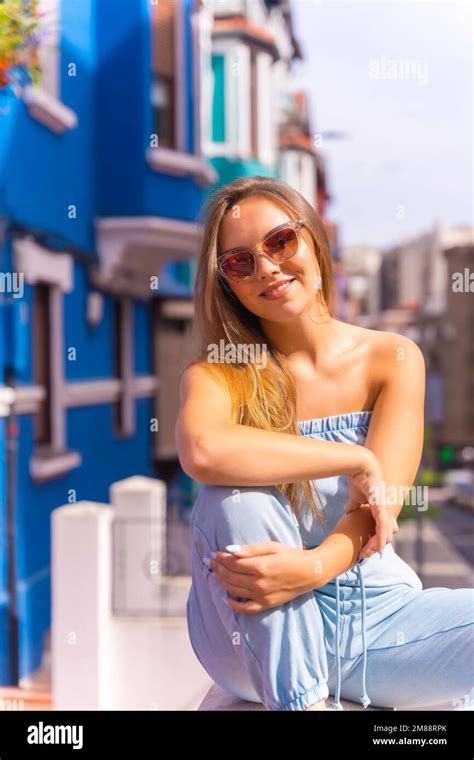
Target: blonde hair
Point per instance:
(262, 396)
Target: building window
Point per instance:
(175, 344)
(51, 275)
(168, 64)
(124, 413)
(297, 168)
(163, 104)
(47, 335)
(41, 333)
(265, 113)
(231, 101)
(308, 178)
(218, 108)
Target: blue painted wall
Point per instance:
(100, 168)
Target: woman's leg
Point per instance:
(278, 656)
(423, 656)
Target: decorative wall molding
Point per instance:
(38, 264)
(180, 52)
(134, 249)
(7, 395)
(145, 386)
(46, 465)
(48, 110)
(177, 308)
(181, 164)
(26, 399)
(92, 392)
(201, 26)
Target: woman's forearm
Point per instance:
(248, 456)
(340, 550)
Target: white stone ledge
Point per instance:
(48, 110)
(50, 465)
(181, 165)
(218, 699)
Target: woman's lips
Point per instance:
(278, 292)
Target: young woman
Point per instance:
(306, 433)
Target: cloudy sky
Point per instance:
(397, 79)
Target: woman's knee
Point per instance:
(246, 514)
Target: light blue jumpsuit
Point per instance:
(372, 633)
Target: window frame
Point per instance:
(55, 271)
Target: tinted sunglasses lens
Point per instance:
(282, 245)
(238, 266)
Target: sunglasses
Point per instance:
(278, 245)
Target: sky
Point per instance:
(397, 79)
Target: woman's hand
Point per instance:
(367, 487)
(267, 575)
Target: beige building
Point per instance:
(454, 348)
(362, 267)
(427, 294)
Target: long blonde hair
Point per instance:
(262, 396)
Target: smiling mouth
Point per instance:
(277, 288)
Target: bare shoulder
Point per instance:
(203, 387)
(199, 375)
(392, 347)
(387, 356)
(394, 355)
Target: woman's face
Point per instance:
(254, 219)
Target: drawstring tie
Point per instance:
(364, 697)
(337, 704)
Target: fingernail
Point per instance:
(233, 548)
(206, 561)
(213, 555)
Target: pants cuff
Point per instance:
(314, 694)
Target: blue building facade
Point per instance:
(97, 229)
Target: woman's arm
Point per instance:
(395, 432)
(214, 450)
(340, 550)
(272, 573)
(395, 436)
(396, 429)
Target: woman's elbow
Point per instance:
(194, 460)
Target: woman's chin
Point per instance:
(284, 313)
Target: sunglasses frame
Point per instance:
(294, 224)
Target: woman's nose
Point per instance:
(266, 266)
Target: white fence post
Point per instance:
(82, 622)
(136, 656)
(139, 544)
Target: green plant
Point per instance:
(408, 512)
(425, 477)
(430, 477)
(20, 38)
